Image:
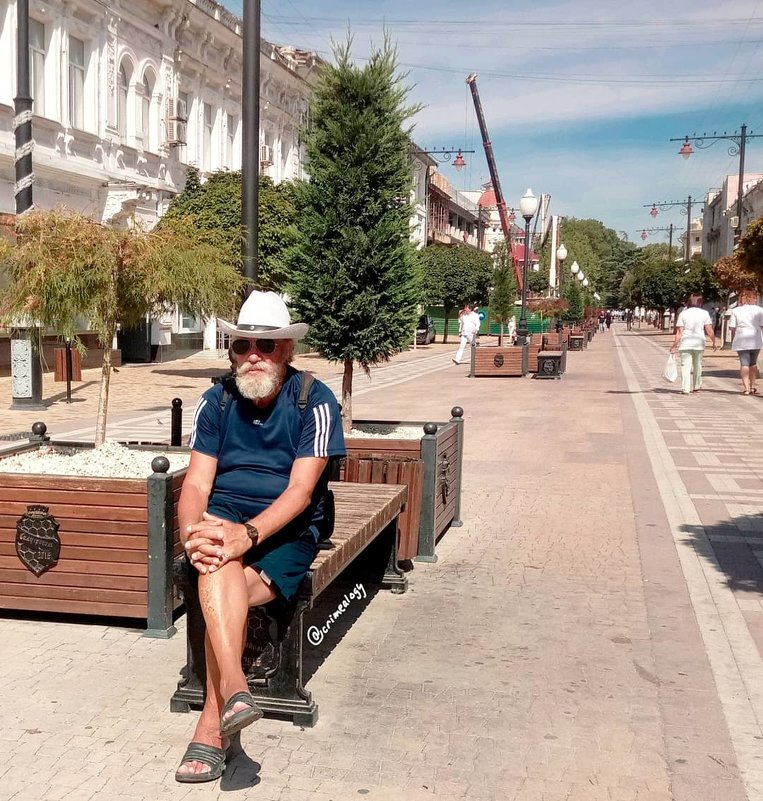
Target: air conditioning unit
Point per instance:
(176, 109)
(176, 132)
(266, 155)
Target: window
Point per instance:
(186, 105)
(76, 83)
(122, 91)
(37, 64)
(208, 126)
(231, 140)
(145, 116)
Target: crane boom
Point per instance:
(503, 213)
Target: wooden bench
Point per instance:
(533, 348)
(275, 640)
(499, 362)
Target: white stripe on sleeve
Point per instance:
(196, 412)
(322, 418)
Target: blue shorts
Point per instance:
(281, 560)
(747, 358)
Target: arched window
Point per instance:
(123, 89)
(146, 112)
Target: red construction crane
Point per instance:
(503, 213)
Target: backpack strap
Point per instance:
(307, 383)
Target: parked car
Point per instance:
(425, 332)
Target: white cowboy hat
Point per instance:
(264, 316)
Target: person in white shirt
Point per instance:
(468, 325)
(692, 325)
(746, 323)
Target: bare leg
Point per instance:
(753, 376)
(745, 373)
(225, 596)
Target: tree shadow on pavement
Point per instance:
(732, 543)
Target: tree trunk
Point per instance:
(347, 396)
(500, 335)
(103, 397)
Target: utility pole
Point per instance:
(685, 206)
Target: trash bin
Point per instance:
(59, 365)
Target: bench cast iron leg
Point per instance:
(283, 694)
(394, 579)
(190, 691)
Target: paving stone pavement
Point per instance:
(575, 641)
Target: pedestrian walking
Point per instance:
(746, 323)
(468, 325)
(253, 507)
(692, 325)
(601, 321)
(629, 319)
(608, 319)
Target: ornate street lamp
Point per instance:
(561, 255)
(574, 268)
(737, 149)
(443, 155)
(250, 135)
(528, 206)
(685, 206)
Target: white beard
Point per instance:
(260, 381)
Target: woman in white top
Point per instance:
(746, 325)
(692, 325)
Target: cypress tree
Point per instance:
(504, 295)
(352, 271)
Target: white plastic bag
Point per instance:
(670, 373)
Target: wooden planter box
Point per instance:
(440, 449)
(118, 538)
(504, 362)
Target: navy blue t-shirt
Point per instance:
(257, 449)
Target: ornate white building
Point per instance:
(127, 94)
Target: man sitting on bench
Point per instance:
(251, 510)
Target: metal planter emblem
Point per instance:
(498, 360)
(37, 542)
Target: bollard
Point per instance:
(69, 370)
(176, 430)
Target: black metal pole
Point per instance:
(250, 154)
(740, 191)
(176, 422)
(522, 330)
(69, 370)
(670, 242)
(26, 371)
(23, 110)
(688, 230)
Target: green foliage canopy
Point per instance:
(212, 211)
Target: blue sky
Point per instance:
(580, 97)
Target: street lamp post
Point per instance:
(250, 144)
(646, 231)
(685, 206)
(561, 255)
(737, 149)
(528, 205)
(26, 370)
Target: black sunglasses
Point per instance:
(242, 346)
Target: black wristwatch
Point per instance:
(252, 532)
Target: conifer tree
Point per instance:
(574, 296)
(504, 294)
(352, 271)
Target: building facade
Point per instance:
(128, 94)
(719, 216)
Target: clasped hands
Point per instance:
(212, 542)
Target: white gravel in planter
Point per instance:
(383, 431)
(110, 460)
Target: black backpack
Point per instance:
(331, 473)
